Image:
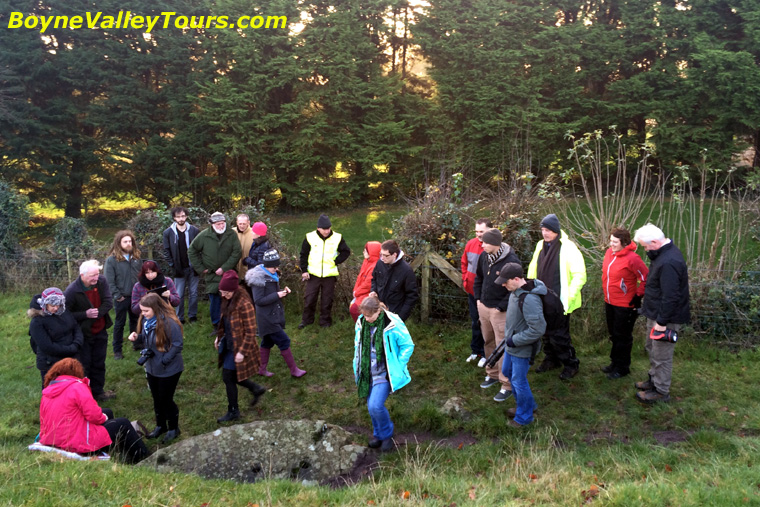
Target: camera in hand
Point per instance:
(145, 354)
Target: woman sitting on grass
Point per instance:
(382, 348)
(161, 333)
(71, 420)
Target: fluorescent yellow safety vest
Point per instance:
(322, 254)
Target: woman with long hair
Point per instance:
(382, 348)
(236, 344)
(363, 285)
(624, 277)
(71, 420)
(161, 332)
(55, 333)
(150, 279)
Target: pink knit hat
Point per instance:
(259, 228)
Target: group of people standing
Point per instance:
(533, 312)
(240, 268)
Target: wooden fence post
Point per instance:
(150, 252)
(425, 296)
(68, 263)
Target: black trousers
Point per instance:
(229, 377)
(620, 322)
(314, 285)
(476, 343)
(558, 346)
(123, 312)
(124, 439)
(162, 389)
(93, 358)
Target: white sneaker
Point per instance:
(482, 362)
(472, 358)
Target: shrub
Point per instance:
(72, 233)
(14, 217)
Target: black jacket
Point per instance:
(666, 296)
(55, 336)
(77, 303)
(171, 250)
(485, 289)
(396, 286)
(270, 314)
(256, 254)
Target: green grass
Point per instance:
(590, 433)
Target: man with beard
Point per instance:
(214, 251)
(122, 267)
(177, 239)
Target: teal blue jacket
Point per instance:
(398, 349)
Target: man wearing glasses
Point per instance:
(393, 281)
(177, 239)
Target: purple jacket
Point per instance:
(139, 290)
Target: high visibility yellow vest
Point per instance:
(322, 254)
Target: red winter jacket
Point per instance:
(363, 285)
(70, 418)
(469, 262)
(620, 273)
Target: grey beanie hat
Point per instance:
(492, 237)
(324, 222)
(551, 222)
(271, 259)
(217, 217)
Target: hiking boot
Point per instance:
(502, 395)
(170, 435)
(118, 356)
(514, 424)
(616, 374)
(374, 443)
(568, 373)
(387, 445)
(302, 325)
(157, 431)
(512, 412)
(651, 397)
(546, 365)
(257, 393)
(488, 382)
(231, 415)
(646, 385)
(104, 396)
(607, 369)
(471, 358)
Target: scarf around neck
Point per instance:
(365, 370)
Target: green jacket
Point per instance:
(572, 272)
(210, 251)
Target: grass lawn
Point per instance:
(592, 442)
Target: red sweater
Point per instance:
(621, 272)
(469, 264)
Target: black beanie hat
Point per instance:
(551, 222)
(324, 222)
(492, 237)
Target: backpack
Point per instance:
(554, 310)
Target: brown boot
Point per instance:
(646, 385)
(651, 397)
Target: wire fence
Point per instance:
(725, 305)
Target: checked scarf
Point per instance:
(365, 369)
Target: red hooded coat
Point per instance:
(70, 418)
(363, 285)
(620, 273)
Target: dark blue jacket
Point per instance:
(666, 297)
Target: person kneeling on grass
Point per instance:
(236, 343)
(71, 420)
(270, 314)
(525, 327)
(382, 348)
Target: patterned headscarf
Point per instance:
(52, 296)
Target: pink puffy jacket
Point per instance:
(70, 418)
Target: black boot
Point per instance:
(170, 435)
(157, 431)
(257, 393)
(232, 414)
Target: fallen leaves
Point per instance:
(405, 495)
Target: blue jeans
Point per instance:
(215, 307)
(516, 369)
(382, 426)
(190, 280)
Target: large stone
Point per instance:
(302, 450)
(454, 407)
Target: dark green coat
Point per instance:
(210, 251)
